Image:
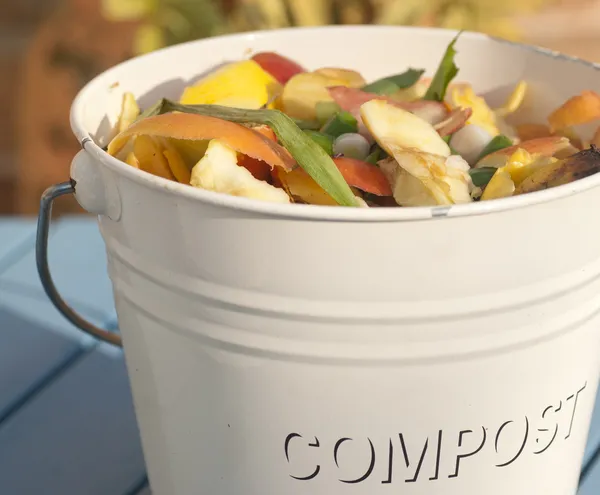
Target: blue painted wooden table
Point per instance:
(67, 425)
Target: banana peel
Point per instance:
(580, 165)
(392, 127)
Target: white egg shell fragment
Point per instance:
(470, 141)
(352, 145)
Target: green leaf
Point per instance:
(499, 142)
(312, 125)
(407, 78)
(446, 71)
(156, 109)
(391, 84)
(377, 154)
(481, 176)
(373, 157)
(323, 140)
(309, 155)
(382, 87)
(341, 123)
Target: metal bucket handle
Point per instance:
(41, 258)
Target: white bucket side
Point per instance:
(228, 358)
(385, 355)
(217, 419)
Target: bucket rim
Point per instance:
(317, 212)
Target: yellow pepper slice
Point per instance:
(132, 160)
(464, 96)
(150, 157)
(501, 186)
(520, 165)
(514, 101)
(129, 112)
(239, 84)
(178, 167)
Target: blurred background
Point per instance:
(50, 48)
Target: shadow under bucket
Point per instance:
(295, 349)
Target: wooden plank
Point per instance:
(36, 340)
(591, 483)
(29, 354)
(78, 266)
(77, 436)
(36, 308)
(142, 488)
(593, 443)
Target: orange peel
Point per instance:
(200, 128)
(580, 109)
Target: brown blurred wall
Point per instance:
(18, 22)
(70, 47)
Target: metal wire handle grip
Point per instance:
(41, 258)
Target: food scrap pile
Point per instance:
(268, 129)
